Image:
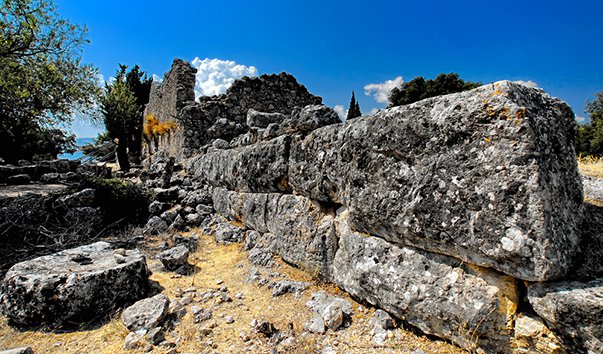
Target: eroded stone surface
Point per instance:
(67, 288)
(256, 168)
(488, 176)
(469, 305)
(299, 230)
(573, 310)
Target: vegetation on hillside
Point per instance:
(418, 88)
(42, 79)
(590, 136)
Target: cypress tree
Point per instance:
(354, 109)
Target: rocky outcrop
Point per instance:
(73, 286)
(488, 176)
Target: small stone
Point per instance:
(240, 296)
(147, 313)
(229, 319)
(315, 325)
(219, 281)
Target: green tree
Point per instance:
(354, 108)
(590, 135)
(118, 109)
(120, 114)
(418, 88)
(42, 79)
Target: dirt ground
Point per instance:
(227, 265)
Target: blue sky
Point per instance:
(334, 47)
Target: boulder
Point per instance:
(573, 310)
(263, 119)
(472, 306)
(175, 257)
(260, 167)
(147, 313)
(155, 226)
(73, 286)
(488, 176)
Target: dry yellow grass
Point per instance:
(230, 264)
(591, 166)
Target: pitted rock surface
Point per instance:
(73, 286)
(573, 310)
(438, 294)
(488, 176)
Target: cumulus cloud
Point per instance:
(581, 119)
(215, 76)
(157, 78)
(380, 92)
(528, 83)
(341, 111)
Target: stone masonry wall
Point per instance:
(461, 214)
(222, 116)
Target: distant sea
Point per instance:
(78, 154)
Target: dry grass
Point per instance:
(230, 265)
(591, 166)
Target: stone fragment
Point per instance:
(573, 310)
(382, 321)
(220, 144)
(333, 316)
(20, 350)
(286, 286)
(310, 118)
(488, 176)
(174, 258)
(157, 207)
(72, 286)
(155, 226)
(263, 119)
(83, 198)
(147, 313)
(471, 306)
(316, 325)
(532, 336)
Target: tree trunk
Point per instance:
(122, 154)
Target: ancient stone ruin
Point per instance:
(461, 215)
(445, 213)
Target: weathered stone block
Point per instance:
(469, 305)
(573, 310)
(256, 168)
(487, 175)
(67, 288)
(304, 234)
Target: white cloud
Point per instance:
(581, 120)
(528, 83)
(157, 78)
(215, 76)
(380, 92)
(341, 111)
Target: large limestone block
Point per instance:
(260, 168)
(573, 310)
(301, 232)
(73, 286)
(488, 176)
(469, 305)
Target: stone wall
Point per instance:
(222, 116)
(461, 214)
